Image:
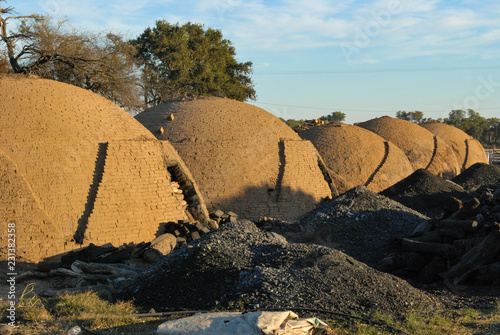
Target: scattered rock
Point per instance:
(425, 192)
(359, 222)
(478, 175)
(165, 243)
(239, 263)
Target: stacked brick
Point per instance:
(356, 156)
(423, 149)
(135, 192)
(303, 181)
(468, 150)
(18, 205)
(244, 159)
(95, 174)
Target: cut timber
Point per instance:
(107, 269)
(475, 258)
(469, 209)
(488, 274)
(431, 237)
(465, 225)
(429, 248)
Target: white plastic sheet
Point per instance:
(233, 323)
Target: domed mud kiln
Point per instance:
(356, 156)
(423, 149)
(244, 159)
(467, 149)
(76, 169)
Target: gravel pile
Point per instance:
(478, 175)
(360, 223)
(241, 264)
(425, 192)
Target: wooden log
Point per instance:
(463, 225)
(486, 196)
(468, 210)
(429, 248)
(451, 234)
(33, 274)
(488, 274)
(469, 243)
(496, 196)
(430, 272)
(482, 254)
(139, 249)
(106, 269)
(423, 227)
(453, 204)
(90, 277)
(430, 237)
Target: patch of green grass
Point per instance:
(37, 315)
(30, 307)
(459, 322)
(88, 308)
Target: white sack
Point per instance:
(234, 323)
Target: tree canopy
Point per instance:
(415, 116)
(102, 63)
(487, 131)
(333, 117)
(187, 60)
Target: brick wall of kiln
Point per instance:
(255, 181)
(134, 195)
(304, 184)
(36, 236)
(59, 174)
(132, 198)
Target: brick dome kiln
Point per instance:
(356, 156)
(467, 149)
(243, 158)
(76, 169)
(423, 149)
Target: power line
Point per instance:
(383, 70)
(359, 110)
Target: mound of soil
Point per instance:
(425, 192)
(478, 175)
(240, 263)
(359, 222)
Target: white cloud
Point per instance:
(491, 36)
(418, 6)
(418, 27)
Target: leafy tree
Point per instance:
(456, 118)
(102, 63)
(292, 123)
(333, 117)
(492, 133)
(475, 124)
(416, 116)
(190, 61)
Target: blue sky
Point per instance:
(312, 57)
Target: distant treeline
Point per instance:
(487, 131)
(332, 117)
